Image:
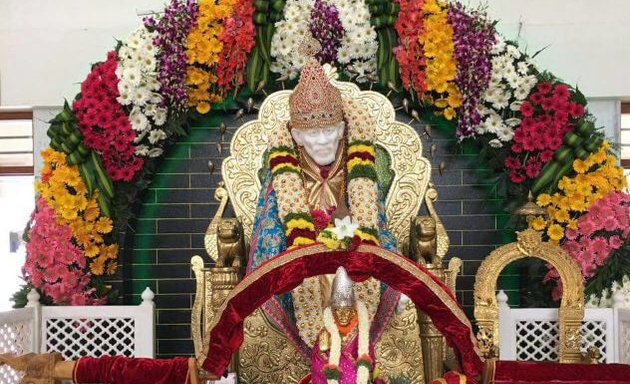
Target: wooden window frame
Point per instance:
(17, 170)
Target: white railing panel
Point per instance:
(532, 334)
(98, 330)
(17, 330)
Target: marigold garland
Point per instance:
(204, 48)
(597, 176)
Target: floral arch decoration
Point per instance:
(437, 60)
(571, 312)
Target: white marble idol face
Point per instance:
(321, 144)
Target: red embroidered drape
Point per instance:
(288, 270)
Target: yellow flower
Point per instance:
(562, 216)
(97, 267)
(111, 268)
(449, 113)
(203, 108)
(580, 166)
(539, 223)
(543, 200)
(92, 250)
(555, 232)
(104, 225)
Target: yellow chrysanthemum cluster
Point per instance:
(65, 192)
(203, 51)
(597, 176)
(441, 66)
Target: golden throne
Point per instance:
(266, 356)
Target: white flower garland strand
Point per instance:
(139, 89)
(363, 373)
(512, 80)
(290, 33)
(357, 53)
(359, 43)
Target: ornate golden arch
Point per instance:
(571, 311)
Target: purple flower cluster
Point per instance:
(474, 37)
(173, 28)
(327, 29)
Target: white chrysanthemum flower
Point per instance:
(492, 123)
(513, 51)
(142, 150)
(499, 46)
(522, 68)
(160, 116)
(155, 152)
(141, 96)
(513, 122)
(521, 93)
(495, 143)
(505, 133)
(501, 100)
(150, 109)
(156, 135)
(139, 121)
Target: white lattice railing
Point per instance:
(79, 331)
(531, 334)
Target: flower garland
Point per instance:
(602, 230)
(473, 37)
(358, 45)
(139, 89)
(511, 81)
(54, 264)
(104, 124)
(64, 191)
(441, 66)
(327, 29)
(597, 176)
(548, 115)
(409, 53)
(204, 47)
(173, 28)
(362, 181)
(364, 362)
(290, 33)
(238, 40)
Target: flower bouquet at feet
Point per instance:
(341, 236)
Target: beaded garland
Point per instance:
(287, 182)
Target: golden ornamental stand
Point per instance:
(428, 245)
(530, 244)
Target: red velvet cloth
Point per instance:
(126, 370)
(453, 378)
(527, 372)
(286, 271)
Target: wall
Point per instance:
(46, 47)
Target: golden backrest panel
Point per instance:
(412, 171)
